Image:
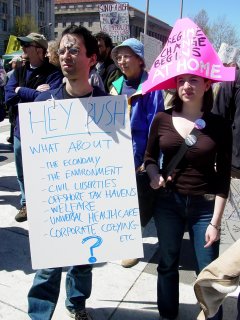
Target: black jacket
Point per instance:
(109, 72)
(227, 104)
(28, 79)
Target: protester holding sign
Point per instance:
(194, 189)
(129, 57)
(77, 52)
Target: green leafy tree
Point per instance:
(24, 25)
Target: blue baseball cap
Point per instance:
(135, 45)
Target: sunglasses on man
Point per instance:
(28, 45)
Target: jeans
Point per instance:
(44, 293)
(19, 168)
(172, 213)
(238, 307)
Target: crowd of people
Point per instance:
(191, 195)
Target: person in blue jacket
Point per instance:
(77, 52)
(129, 57)
(25, 84)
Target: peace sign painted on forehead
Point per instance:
(69, 41)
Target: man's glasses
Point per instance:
(28, 45)
(125, 57)
(72, 51)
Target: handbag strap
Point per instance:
(190, 140)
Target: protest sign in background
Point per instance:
(152, 48)
(114, 19)
(13, 44)
(80, 181)
(228, 54)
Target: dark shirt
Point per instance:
(227, 104)
(61, 93)
(196, 173)
(66, 95)
(109, 72)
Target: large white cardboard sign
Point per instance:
(114, 20)
(80, 181)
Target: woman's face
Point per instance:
(191, 88)
(130, 64)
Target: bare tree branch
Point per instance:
(217, 32)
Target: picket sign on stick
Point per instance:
(228, 54)
(80, 181)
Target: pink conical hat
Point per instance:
(187, 50)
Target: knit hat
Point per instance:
(135, 45)
(36, 37)
(187, 51)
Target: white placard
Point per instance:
(152, 49)
(228, 54)
(114, 19)
(80, 181)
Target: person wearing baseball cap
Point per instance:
(129, 57)
(34, 39)
(25, 84)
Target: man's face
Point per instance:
(29, 50)
(103, 50)
(73, 57)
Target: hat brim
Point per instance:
(115, 52)
(25, 39)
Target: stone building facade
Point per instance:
(53, 16)
(41, 10)
(86, 13)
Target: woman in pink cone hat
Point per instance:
(193, 193)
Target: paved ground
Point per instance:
(118, 293)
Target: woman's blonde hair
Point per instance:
(52, 52)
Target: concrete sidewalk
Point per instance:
(118, 293)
